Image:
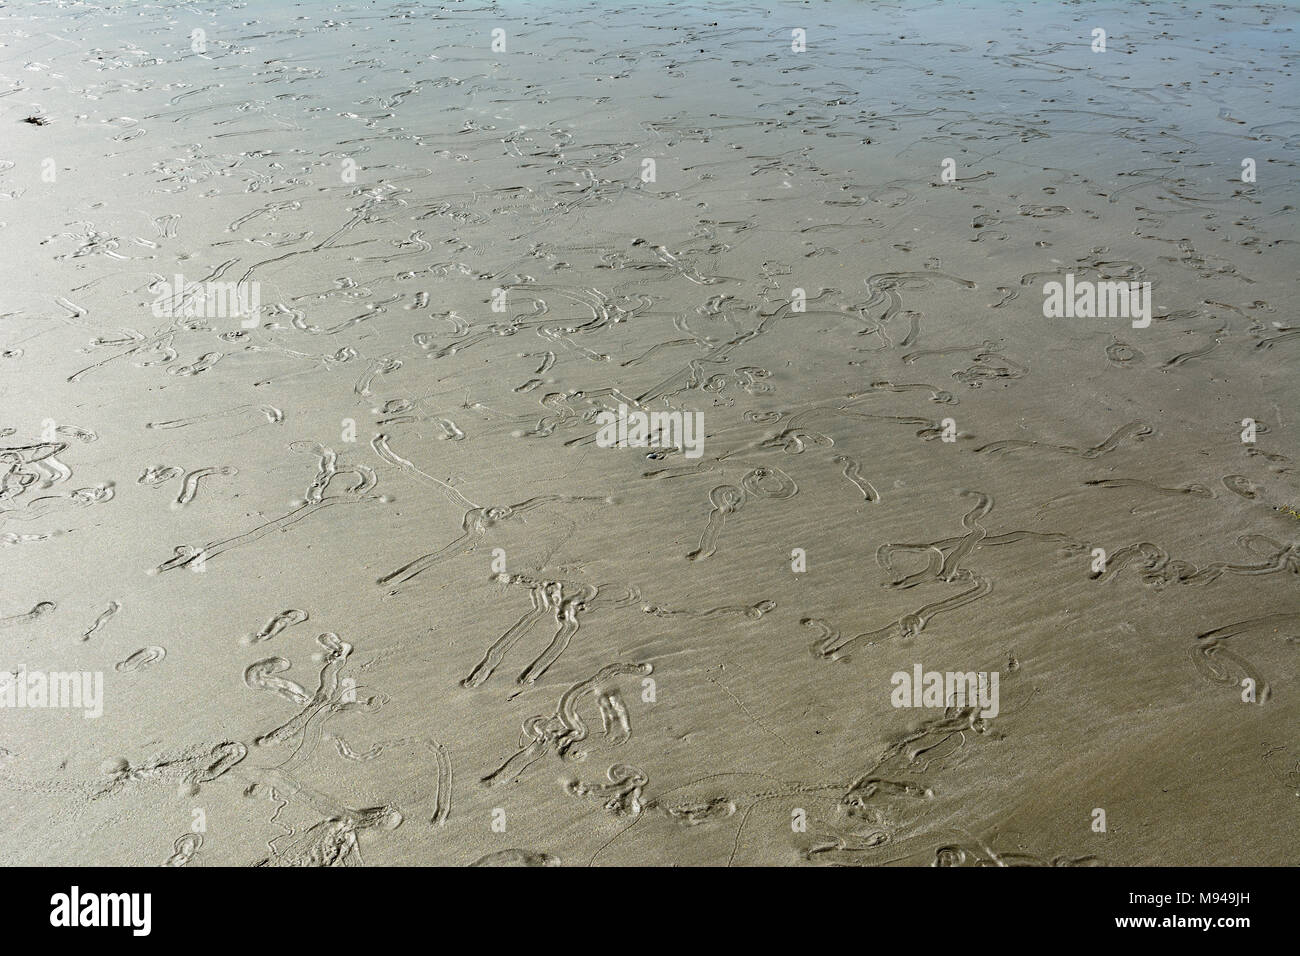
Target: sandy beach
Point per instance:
(830, 433)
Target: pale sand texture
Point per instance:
(521, 170)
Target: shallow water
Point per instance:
(363, 585)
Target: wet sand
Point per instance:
(362, 584)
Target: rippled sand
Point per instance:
(363, 586)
